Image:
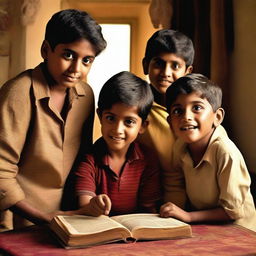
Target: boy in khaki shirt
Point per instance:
(208, 171)
(45, 114)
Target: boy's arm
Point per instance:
(171, 210)
(15, 115)
(173, 179)
(27, 211)
(94, 205)
(86, 186)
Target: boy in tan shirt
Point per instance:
(45, 114)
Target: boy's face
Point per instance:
(192, 119)
(68, 63)
(120, 126)
(164, 69)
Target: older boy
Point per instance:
(120, 176)
(208, 170)
(169, 55)
(45, 113)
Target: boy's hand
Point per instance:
(171, 210)
(100, 204)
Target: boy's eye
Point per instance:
(130, 122)
(175, 65)
(109, 118)
(88, 60)
(159, 63)
(197, 107)
(176, 111)
(68, 55)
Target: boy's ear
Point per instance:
(143, 126)
(44, 49)
(219, 116)
(169, 121)
(98, 113)
(145, 65)
(189, 70)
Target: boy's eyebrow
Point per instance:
(73, 52)
(108, 112)
(193, 102)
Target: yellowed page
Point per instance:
(132, 221)
(80, 224)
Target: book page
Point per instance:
(132, 221)
(80, 224)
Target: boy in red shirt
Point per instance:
(120, 176)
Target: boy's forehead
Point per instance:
(120, 107)
(169, 56)
(82, 47)
(194, 96)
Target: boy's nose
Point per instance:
(75, 67)
(119, 127)
(167, 71)
(188, 115)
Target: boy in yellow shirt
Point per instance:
(169, 55)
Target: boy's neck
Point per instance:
(116, 163)
(159, 98)
(117, 160)
(197, 151)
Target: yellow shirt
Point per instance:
(37, 147)
(220, 179)
(158, 136)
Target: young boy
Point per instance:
(169, 55)
(45, 113)
(208, 170)
(120, 176)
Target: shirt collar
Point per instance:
(219, 131)
(42, 90)
(102, 156)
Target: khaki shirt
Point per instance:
(37, 147)
(158, 136)
(220, 179)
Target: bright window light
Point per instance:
(115, 58)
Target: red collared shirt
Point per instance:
(136, 188)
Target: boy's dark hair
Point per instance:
(69, 25)
(172, 41)
(127, 88)
(194, 83)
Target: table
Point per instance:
(207, 240)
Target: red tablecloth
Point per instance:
(209, 240)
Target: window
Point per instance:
(115, 58)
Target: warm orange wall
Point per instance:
(35, 32)
(243, 75)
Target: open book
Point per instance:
(80, 231)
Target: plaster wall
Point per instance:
(243, 75)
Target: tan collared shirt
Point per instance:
(220, 179)
(37, 147)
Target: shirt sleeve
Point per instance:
(234, 183)
(86, 177)
(174, 180)
(15, 115)
(150, 192)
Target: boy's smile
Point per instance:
(164, 69)
(68, 63)
(120, 126)
(192, 119)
